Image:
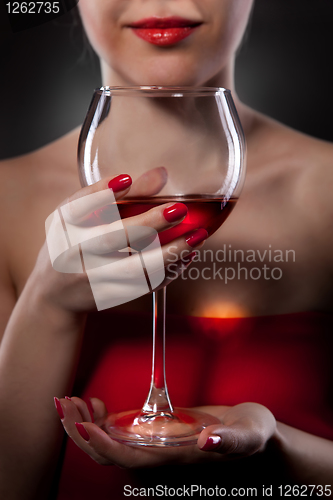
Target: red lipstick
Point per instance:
(164, 31)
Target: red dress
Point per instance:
(282, 362)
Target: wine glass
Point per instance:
(190, 141)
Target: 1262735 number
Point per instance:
(305, 490)
(33, 7)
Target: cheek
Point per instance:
(227, 23)
(238, 16)
(100, 26)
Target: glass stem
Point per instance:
(158, 398)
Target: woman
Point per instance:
(277, 353)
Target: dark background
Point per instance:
(284, 69)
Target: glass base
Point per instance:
(138, 428)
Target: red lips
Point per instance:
(164, 31)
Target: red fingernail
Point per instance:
(69, 399)
(212, 443)
(175, 212)
(59, 408)
(197, 237)
(82, 431)
(120, 183)
(91, 409)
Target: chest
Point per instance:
(269, 257)
(263, 260)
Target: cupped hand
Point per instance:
(89, 257)
(245, 429)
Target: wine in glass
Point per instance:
(185, 145)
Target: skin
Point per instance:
(282, 164)
(126, 60)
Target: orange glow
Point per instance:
(224, 310)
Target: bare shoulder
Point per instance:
(36, 181)
(303, 162)
(31, 187)
(293, 174)
(275, 142)
(43, 168)
(311, 160)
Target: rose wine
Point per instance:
(203, 211)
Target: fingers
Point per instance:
(92, 439)
(150, 183)
(184, 245)
(100, 446)
(176, 257)
(77, 417)
(174, 270)
(92, 198)
(160, 218)
(139, 231)
(99, 408)
(127, 277)
(171, 259)
(105, 451)
(70, 411)
(91, 216)
(245, 430)
(232, 440)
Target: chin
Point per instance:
(164, 71)
(172, 81)
(163, 79)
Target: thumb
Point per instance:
(232, 440)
